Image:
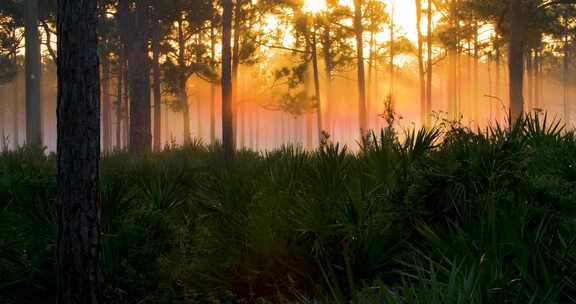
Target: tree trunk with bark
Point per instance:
(498, 77)
(316, 75)
(235, 67)
(392, 58)
(227, 124)
(453, 106)
(33, 74)
(157, 78)
(529, 77)
(538, 80)
(476, 75)
(429, 66)
(79, 256)
(182, 82)
(565, 73)
(140, 120)
(118, 104)
(359, 32)
(16, 112)
(123, 117)
(212, 86)
(106, 112)
(329, 66)
(421, 71)
(516, 58)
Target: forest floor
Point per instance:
(447, 215)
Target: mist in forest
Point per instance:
(263, 125)
(276, 78)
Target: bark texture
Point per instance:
(227, 128)
(33, 73)
(516, 58)
(106, 106)
(359, 32)
(140, 120)
(78, 202)
(157, 77)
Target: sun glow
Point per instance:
(404, 13)
(315, 6)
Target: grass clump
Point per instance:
(446, 215)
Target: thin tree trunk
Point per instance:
(516, 58)
(421, 71)
(429, 68)
(565, 73)
(79, 259)
(16, 112)
(3, 107)
(537, 79)
(498, 77)
(140, 121)
(541, 83)
(242, 119)
(33, 74)
(371, 69)
(257, 131)
(185, 114)
(328, 64)
(106, 112)
(212, 87)
(359, 32)
(227, 124)
(118, 103)
(157, 78)
(199, 38)
(476, 75)
(235, 64)
(126, 105)
(124, 25)
(392, 58)
(529, 78)
(453, 111)
(182, 82)
(317, 86)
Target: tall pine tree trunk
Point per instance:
(79, 257)
(421, 71)
(182, 83)
(359, 32)
(529, 78)
(140, 120)
(537, 79)
(453, 108)
(124, 25)
(316, 75)
(328, 65)
(476, 76)
(106, 112)
(227, 124)
(565, 73)
(212, 86)
(16, 112)
(235, 65)
(33, 74)
(126, 107)
(498, 77)
(118, 104)
(157, 78)
(3, 108)
(392, 58)
(516, 58)
(429, 66)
